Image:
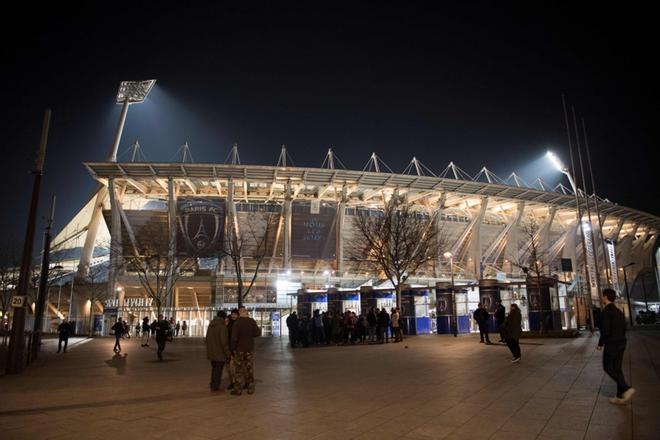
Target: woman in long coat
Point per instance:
(513, 330)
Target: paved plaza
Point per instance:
(427, 387)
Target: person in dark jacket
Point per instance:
(63, 331)
(146, 330)
(373, 323)
(513, 330)
(119, 330)
(162, 329)
(613, 339)
(383, 324)
(481, 315)
(217, 348)
(292, 323)
(244, 331)
(500, 315)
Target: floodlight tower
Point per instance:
(559, 165)
(130, 92)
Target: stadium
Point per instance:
(297, 227)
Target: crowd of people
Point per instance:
(163, 330)
(372, 326)
(230, 339)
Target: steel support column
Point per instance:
(171, 245)
(116, 248)
(287, 226)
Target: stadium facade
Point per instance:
(178, 209)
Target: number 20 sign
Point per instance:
(18, 301)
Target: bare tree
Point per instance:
(152, 270)
(535, 260)
(396, 241)
(249, 241)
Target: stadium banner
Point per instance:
(200, 226)
(313, 235)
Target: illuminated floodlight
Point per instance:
(555, 161)
(447, 255)
(288, 272)
(326, 272)
(134, 92)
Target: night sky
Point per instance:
(476, 84)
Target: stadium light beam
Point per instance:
(559, 165)
(130, 92)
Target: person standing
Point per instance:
(63, 331)
(373, 321)
(244, 331)
(292, 325)
(613, 340)
(217, 348)
(146, 329)
(383, 323)
(162, 330)
(481, 316)
(500, 314)
(119, 330)
(184, 328)
(513, 331)
(396, 327)
(177, 328)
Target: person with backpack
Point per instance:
(373, 323)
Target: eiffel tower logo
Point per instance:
(201, 238)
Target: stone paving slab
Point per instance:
(429, 387)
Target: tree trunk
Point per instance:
(398, 296)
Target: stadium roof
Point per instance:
(140, 172)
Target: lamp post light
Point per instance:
(453, 293)
(625, 281)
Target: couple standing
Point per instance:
(236, 348)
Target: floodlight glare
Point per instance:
(134, 91)
(447, 255)
(555, 161)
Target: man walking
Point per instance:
(217, 348)
(613, 338)
(481, 316)
(119, 330)
(499, 318)
(162, 329)
(243, 332)
(63, 330)
(513, 331)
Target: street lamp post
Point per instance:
(625, 281)
(16, 348)
(453, 293)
